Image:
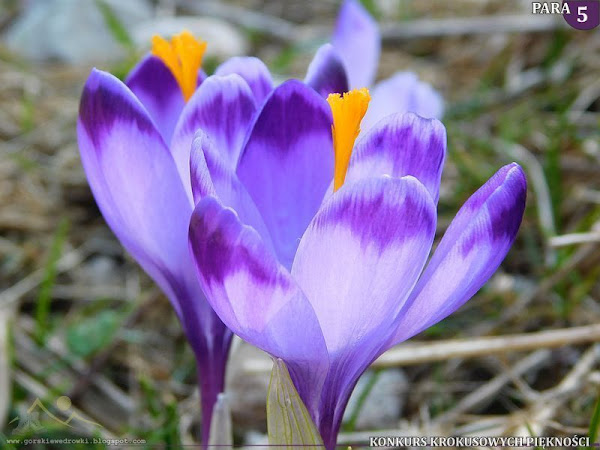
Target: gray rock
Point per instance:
(255, 440)
(384, 403)
(99, 270)
(72, 31)
(247, 388)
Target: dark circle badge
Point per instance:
(582, 14)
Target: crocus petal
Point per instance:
(471, 250)
(251, 69)
(136, 185)
(223, 108)
(358, 41)
(211, 176)
(365, 248)
(326, 73)
(133, 177)
(154, 85)
(403, 92)
(399, 145)
(287, 162)
(357, 263)
(256, 296)
(201, 77)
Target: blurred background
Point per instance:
(79, 319)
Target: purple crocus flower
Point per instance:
(319, 258)
(144, 200)
(357, 40)
(135, 142)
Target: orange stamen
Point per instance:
(183, 56)
(348, 110)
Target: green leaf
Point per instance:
(114, 24)
(42, 308)
(86, 337)
(288, 421)
(594, 424)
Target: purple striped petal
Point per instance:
(154, 85)
(133, 177)
(212, 176)
(400, 145)
(326, 73)
(287, 163)
(471, 250)
(403, 92)
(357, 264)
(251, 69)
(358, 41)
(223, 108)
(256, 296)
(366, 245)
(136, 185)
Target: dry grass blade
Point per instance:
(538, 414)
(31, 281)
(469, 348)
(574, 238)
(491, 388)
(459, 26)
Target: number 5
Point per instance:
(582, 17)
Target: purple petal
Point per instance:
(326, 73)
(136, 185)
(212, 176)
(358, 41)
(287, 163)
(403, 92)
(201, 181)
(400, 145)
(201, 77)
(154, 85)
(251, 69)
(471, 250)
(223, 108)
(363, 251)
(368, 242)
(256, 296)
(133, 176)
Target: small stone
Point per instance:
(72, 31)
(254, 440)
(247, 388)
(99, 270)
(383, 406)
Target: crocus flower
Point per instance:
(357, 40)
(313, 248)
(135, 142)
(142, 197)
